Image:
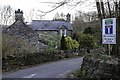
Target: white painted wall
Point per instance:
(65, 32)
(61, 32)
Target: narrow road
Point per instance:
(51, 70)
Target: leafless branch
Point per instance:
(69, 3)
(59, 5)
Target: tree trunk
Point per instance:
(110, 14)
(103, 17)
(119, 30)
(99, 16)
(102, 7)
(115, 48)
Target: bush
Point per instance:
(63, 43)
(87, 41)
(76, 35)
(52, 40)
(71, 44)
(89, 30)
(67, 43)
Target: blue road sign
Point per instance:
(109, 29)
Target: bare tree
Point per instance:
(78, 23)
(109, 8)
(30, 15)
(71, 4)
(90, 16)
(60, 16)
(6, 15)
(84, 20)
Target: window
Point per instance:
(62, 32)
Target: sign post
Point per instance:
(109, 31)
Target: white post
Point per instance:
(65, 32)
(61, 32)
(109, 49)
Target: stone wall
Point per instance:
(26, 60)
(100, 66)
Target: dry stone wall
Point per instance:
(101, 67)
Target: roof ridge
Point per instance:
(50, 20)
(41, 20)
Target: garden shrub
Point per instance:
(67, 43)
(87, 41)
(52, 40)
(89, 30)
(63, 43)
(71, 44)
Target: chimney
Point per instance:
(18, 15)
(68, 17)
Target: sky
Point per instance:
(32, 7)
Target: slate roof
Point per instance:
(20, 28)
(50, 25)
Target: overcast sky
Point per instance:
(29, 5)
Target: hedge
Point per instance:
(14, 62)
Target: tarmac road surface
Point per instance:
(56, 69)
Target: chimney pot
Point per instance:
(18, 15)
(68, 17)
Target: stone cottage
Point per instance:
(32, 33)
(20, 29)
(53, 26)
